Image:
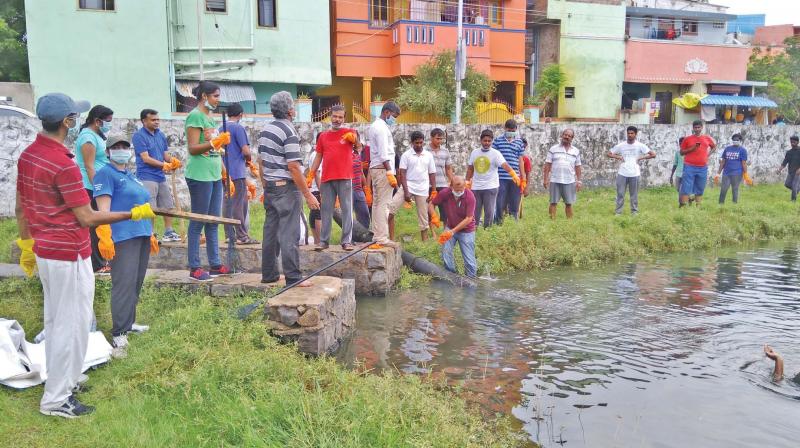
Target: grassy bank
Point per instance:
(202, 378)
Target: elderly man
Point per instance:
(562, 173)
(630, 153)
(381, 153)
(459, 203)
(281, 173)
(53, 217)
(335, 147)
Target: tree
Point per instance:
(782, 72)
(432, 89)
(549, 85)
(13, 51)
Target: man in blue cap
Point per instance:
(53, 217)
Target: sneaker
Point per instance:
(199, 275)
(220, 270)
(171, 236)
(120, 341)
(104, 271)
(72, 408)
(136, 328)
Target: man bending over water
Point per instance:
(777, 374)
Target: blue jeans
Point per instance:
(466, 242)
(207, 200)
(361, 208)
(694, 179)
(508, 196)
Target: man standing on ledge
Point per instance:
(381, 153)
(281, 173)
(459, 203)
(562, 173)
(695, 150)
(53, 219)
(630, 152)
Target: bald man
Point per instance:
(459, 208)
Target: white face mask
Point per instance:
(458, 194)
(736, 143)
(121, 156)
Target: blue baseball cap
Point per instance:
(54, 107)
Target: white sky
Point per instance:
(778, 12)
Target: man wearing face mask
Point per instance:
(382, 173)
(335, 146)
(732, 168)
(512, 149)
(128, 244)
(630, 152)
(53, 217)
(459, 203)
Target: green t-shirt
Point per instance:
(205, 167)
(678, 164)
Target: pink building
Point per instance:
(771, 38)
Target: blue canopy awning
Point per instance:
(731, 100)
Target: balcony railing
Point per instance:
(476, 12)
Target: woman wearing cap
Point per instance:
(128, 244)
(90, 155)
(204, 179)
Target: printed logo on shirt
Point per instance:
(98, 187)
(482, 164)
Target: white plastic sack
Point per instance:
(23, 364)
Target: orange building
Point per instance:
(376, 42)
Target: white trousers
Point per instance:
(68, 297)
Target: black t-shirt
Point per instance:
(792, 159)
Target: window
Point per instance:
(430, 34)
(379, 12)
(408, 33)
(216, 6)
(719, 25)
(689, 27)
(481, 38)
(569, 92)
(495, 13)
(100, 5)
(266, 13)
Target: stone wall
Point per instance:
(766, 145)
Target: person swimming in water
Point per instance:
(777, 373)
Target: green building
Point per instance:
(592, 53)
(133, 54)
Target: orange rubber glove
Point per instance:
(224, 173)
(231, 189)
(337, 205)
(407, 205)
(716, 179)
(251, 191)
(469, 184)
(392, 180)
(106, 244)
(747, 179)
(436, 221)
(261, 198)
(309, 179)
(515, 178)
(433, 195)
(349, 137)
(368, 195)
(445, 236)
(221, 140)
(253, 169)
(154, 247)
(176, 163)
(522, 186)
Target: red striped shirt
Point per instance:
(358, 174)
(49, 185)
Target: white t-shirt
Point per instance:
(631, 153)
(418, 167)
(485, 165)
(381, 145)
(564, 161)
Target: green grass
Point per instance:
(200, 377)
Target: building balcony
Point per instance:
(476, 12)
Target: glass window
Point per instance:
(430, 34)
(495, 13)
(379, 12)
(100, 5)
(216, 6)
(689, 27)
(266, 13)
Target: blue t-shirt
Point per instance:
(236, 162)
(733, 156)
(155, 145)
(126, 192)
(511, 151)
(100, 158)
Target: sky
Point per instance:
(778, 12)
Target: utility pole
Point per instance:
(200, 38)
(460, 59)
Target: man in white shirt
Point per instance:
(381, 170)
(562, 173)
(418, 176)
(630, 152)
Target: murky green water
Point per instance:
(662, 352)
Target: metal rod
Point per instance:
(200, 39)
(459, 49)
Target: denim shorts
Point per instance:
(694, 179)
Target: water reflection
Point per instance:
(661, 352)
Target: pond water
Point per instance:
(660, 352)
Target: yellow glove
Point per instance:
(154, 247)
(392, 180)
(747, 179)
(142, 212)
(309, 179)
(716, 179)
(515, 178)
(436, 221)
(27, 260)
(106, 244)
(445, 236)
(221, 140)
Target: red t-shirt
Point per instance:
(698, 157)
(49, 185)
(337, 155)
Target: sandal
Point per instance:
(247, 241)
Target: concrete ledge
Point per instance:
(219, 287)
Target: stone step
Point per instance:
(218, 287)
